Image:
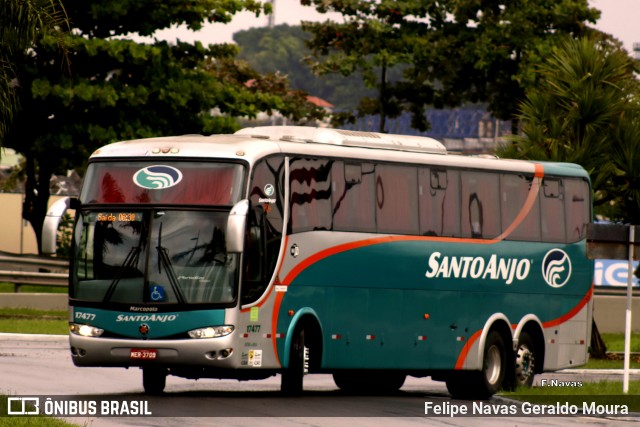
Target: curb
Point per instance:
(4, 336)
(595, 371)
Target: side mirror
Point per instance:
(236, 225)
(52, 221)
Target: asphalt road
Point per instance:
(40, 365)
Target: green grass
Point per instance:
(29, 321)
(10, 288)
(615, 342)
(610, 364)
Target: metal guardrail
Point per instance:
(34, 278)
(33, 261)
(33, 270)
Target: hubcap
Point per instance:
(524, 364)
(494, 364)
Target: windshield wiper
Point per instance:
(163, 258)
(129, 261)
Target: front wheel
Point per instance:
(154, 380)
(293, 375)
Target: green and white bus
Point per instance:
(298, 250)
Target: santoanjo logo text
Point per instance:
(505, 269)
(147, 318)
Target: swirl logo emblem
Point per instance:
(157, 177)
(556, 268)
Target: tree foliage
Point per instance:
(116, 88)
(450, 51)
(22, 22)
(282, 50)
(585, 109)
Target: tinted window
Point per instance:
(397, 199)
(480, 208)
(192, 183)
(515, 191)
(353, 194)
(552, 205)
(577, 208)
(310, 194)
(264, 229)
(439, 199)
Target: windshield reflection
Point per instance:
(169, 256)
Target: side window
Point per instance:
(396, 199)
(577, 208)
(353, 197)
(264, 227)
(310, 194)
(552, 208)
(514, 192)
(480, 208)
(439, 201)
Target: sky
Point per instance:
(619, 18)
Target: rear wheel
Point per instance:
(525, 368)
(487, 382)
(293, 375)
(154, 379)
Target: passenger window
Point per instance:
(310, 194)
(515, 190)
(353, 194)
(480, 208)
(396, 199)
(578, 212)
(552, 206)
(439, 202)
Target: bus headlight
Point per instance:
(85, 330)
(211, 332)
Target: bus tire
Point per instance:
(293, 376)
(488, 381)
(494, 365)
(154, 380)
(525, 361)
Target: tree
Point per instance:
(117, 88)
(371, 41)
(585, 109)
(22, 23)
(451, 51)
(282, 49)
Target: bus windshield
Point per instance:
(153, 256)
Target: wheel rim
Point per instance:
(524, 364)
(493, 365)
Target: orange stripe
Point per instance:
(276, 306)
(462, 357)
(274, 323)
(369, 242)
(584, 301)
(526, 208)
(465, 350)
(528, 204)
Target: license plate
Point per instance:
(144, 353)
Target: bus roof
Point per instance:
(251, 144)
